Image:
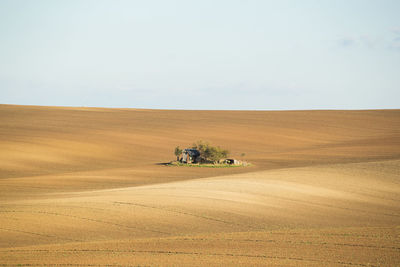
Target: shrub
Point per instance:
(208, 153)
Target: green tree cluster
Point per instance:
(208, 153)
(177, 152)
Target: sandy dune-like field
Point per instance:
(88, 187)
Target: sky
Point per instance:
(208, 54)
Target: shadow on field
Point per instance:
(163, 163)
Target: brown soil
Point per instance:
(86, 186)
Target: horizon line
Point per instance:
(184, 109)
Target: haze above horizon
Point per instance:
(268, 55)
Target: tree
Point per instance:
(178, 152)
(210, 153)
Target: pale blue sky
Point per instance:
(218, 54)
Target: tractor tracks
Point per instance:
(185, 253)
(87, 219)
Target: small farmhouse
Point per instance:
(190, 155)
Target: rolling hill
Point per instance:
(87, 186)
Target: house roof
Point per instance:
(192, 152)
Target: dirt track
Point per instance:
(83, 186)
